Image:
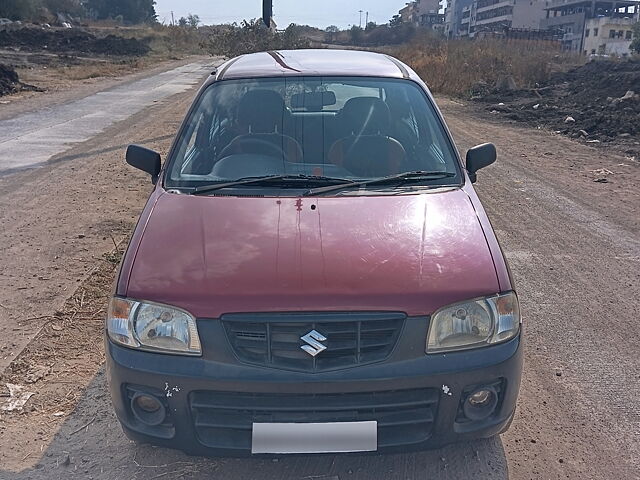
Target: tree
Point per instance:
(132, 11)
(396, 21)
(18, 9)
(72, 7)
(193, 20)
(252, 36)
(332, 29)
(371, 26)
(635, 44)
(182, 22)
(357, 35)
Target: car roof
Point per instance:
(310, 62)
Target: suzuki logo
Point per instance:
(314, 346)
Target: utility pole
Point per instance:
(173, 22)
(360, 17)
(267, 12)
(366, 24)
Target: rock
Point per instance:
(628, 96)
(584, 133)
(81, 235)
(598, 180)
(624, 135)
(66, 461)
(569, 120)
(536, 106)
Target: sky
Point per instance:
(318, 13)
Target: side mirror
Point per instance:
(479, 157)
(144, 159)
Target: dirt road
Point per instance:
(574, 248)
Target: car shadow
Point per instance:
(90, 445)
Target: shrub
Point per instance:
(454, 67)
(252, 36)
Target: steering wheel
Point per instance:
(253, 144)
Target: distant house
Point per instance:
(423, 13)
(477, 17)
(608, 36)
(574, 17)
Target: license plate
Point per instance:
(314, 437)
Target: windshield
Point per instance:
(334, 128)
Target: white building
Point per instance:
(608, 36)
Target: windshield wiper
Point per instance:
(268, 179)
(390, 180)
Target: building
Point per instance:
(492, 16)
(571, 17)
(423, 13)
(608, 36)
(456, 18)
(408, 13)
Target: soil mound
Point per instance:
(10, 83)
(599, 102)
(71, 41)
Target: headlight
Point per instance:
(152, 326)
(475, 323)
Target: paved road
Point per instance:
(574, 250)
(39, 256)
(31, 139)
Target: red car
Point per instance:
(313, 271)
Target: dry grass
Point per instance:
(455, 67)
(99, 70)
(164, 40)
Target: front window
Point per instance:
(331, 128)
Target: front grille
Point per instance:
(275, 340)
(225, 419)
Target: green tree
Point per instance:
(356, 34)
(396, 21)
(193, 20)
(19, 9)
(182, 22)
(635, 43)
(73, 7)
(252, 36)
(371, 26)
(133, 11)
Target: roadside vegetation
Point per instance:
(38, 11)
(252, 36)
(462, 67)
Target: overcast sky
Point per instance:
(319, 13)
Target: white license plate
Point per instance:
(314, 437)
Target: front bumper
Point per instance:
(416, 398)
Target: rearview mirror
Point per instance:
(479, 157)
(144, 159)
(313, 101)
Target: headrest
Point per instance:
(366, 116)
(261, 111)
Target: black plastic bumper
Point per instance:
(440, 381)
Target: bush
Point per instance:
(252, 36)
(455, 67)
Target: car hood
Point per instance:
(408, 253)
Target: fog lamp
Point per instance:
(480, 403)
(148, 409)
